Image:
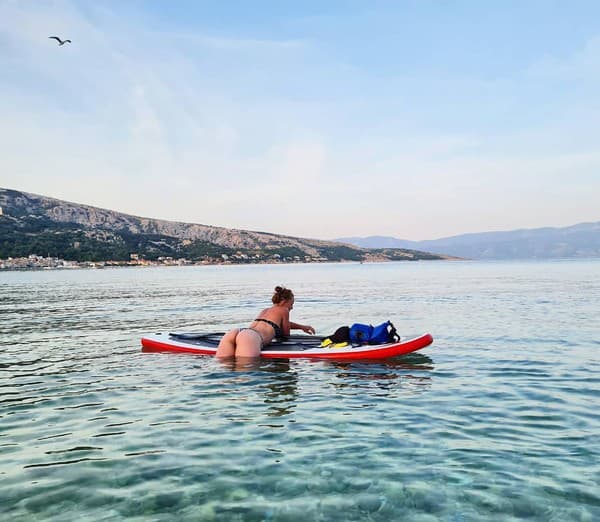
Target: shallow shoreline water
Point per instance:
(496, 420)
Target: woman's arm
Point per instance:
(305, 328)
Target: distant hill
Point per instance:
(577, 241)
(34, 224)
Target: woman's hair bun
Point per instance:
(281, 294)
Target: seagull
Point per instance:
(60, 42)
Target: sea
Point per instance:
(498, 419)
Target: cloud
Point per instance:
(231, 43)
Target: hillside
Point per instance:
(577, 241)
(34, 224)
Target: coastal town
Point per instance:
(36, 262)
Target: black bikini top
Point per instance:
(276, 327)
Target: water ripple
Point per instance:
(495, 421)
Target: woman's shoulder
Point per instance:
(266, 311)
(273, 312)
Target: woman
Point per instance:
(271, 323)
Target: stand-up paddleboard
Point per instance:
(293, 347)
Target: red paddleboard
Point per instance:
(296, 346)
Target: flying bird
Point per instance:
(60, 42)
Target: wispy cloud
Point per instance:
(230, 43)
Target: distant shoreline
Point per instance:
(62, 265)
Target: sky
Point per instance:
(417, 119)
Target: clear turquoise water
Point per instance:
(498, 420)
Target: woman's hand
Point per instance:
(307, 329)
(304, 327)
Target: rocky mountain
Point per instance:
(577, 241)
(34, 224)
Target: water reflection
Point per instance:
(240, 364)
(282, 388)
(278, 382)
(281, 383)
(387, 374)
